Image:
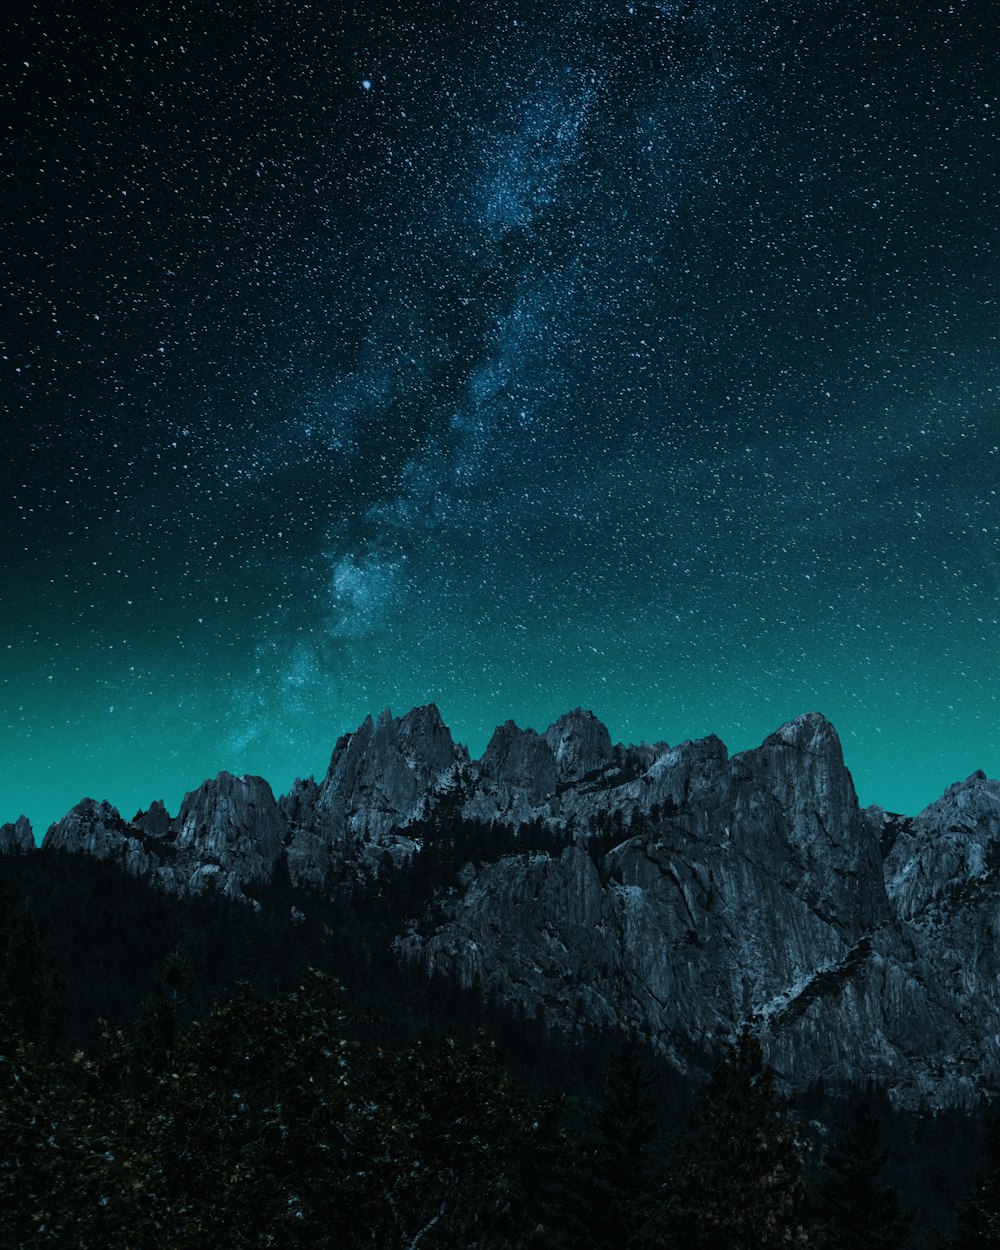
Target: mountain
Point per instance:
(16, 838)
(677, 891)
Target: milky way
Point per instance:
(516, 357)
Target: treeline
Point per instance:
(84, 944)
(270, 1124)
(122, 1008)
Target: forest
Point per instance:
(193, 1071)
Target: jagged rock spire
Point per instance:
(16, 838)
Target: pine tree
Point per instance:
(978, 1224)
(626, 1131)
(736, 1182)
(598, 1193)
(31, 993)
(165, 1009)
(856, 1211)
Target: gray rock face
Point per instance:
(386, 775)
(580, 745)
(516, 778)
(951, 846)
(16, 838)
(691, 893)
(298, 806)
(154, 823)
(753, 893)
(90, 828)
(693, 775)
(310, 853)
(942, 879)
(796, 782)
(227, 835)
(97, 829)
(554, 909)
(231, 825)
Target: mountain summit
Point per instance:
(676, 891)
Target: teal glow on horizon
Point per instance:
(899, 773)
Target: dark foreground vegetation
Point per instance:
(189, 1073)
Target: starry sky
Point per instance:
(520, 356)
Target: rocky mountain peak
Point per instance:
(953, 842)
(678, 889)
(16, 838)
(797, 785)
(155, 822)
(693, 772)
(804, 756)
(426, 741)
(519, 758)
(580, 744)
(232, 821)
(809, 732)
(97, 829)
(802, 764)
(91, 827)
(386, 774)
(515, 778)
(358, 736)
(298, 805)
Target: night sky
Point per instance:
(517, 357)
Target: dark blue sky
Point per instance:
(639, 356)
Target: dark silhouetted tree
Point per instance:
(855, 1210)
(598, 1191)
(978, 1223)
(625, 1133)
(737, 1179)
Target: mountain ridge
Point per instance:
(677, 891)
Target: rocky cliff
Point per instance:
(673, 890)
(16, 838)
